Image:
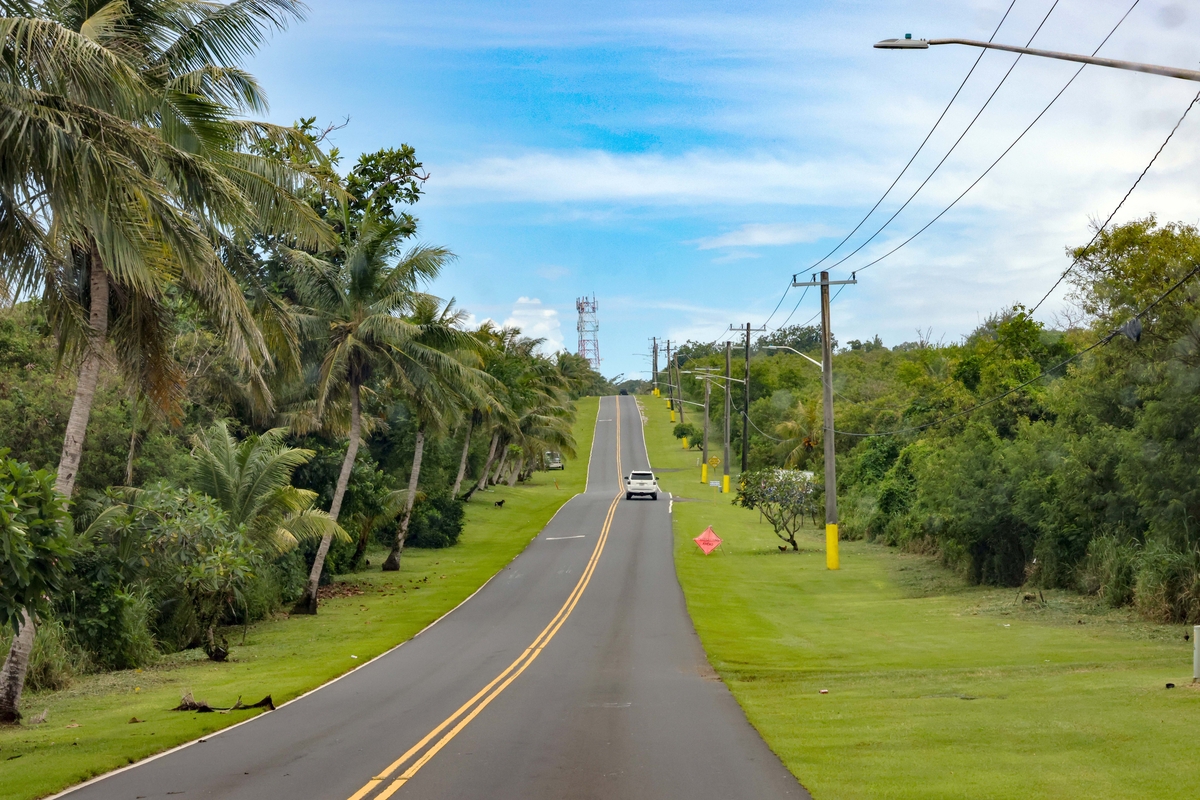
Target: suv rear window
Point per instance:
(641, 476)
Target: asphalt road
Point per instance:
(574, 673)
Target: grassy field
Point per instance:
(89, 730)
(935, 689)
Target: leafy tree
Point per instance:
(784, 497)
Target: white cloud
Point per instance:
(760, 235)
(538, 322)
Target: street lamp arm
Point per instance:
(794, 350)
(1153, 69)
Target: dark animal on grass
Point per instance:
(499, 504)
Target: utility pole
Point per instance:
(704, 457)
(670, 391)
(746, 396)
(728, 364)
(654, 346)
(678, 383)
(831, 513)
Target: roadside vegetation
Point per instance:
(363, 613)
(1083, 478)
(223, 378)
(936, 687)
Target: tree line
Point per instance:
(221, 372)
(1054, 456)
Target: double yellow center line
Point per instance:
(471, 709)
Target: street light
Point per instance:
(909, 43)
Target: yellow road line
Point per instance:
(521, 663)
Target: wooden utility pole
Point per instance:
(728, 397)
(670, 391)
(678, 383)
(654, 346)
(831, 512)
(746, 396)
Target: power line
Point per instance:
(1100, 230)
(1101, 341)
(1007, 150)
(794, 309)
(954, 146)
(920, 147)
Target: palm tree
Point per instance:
(354, 302)
(801, 435)
(252, 482)
(144, 185)
(437, 376)
(126, 175)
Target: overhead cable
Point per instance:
(954, 146)
(920, 147)
(1100, 230)
(1007, 150)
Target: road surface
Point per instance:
(574, 673)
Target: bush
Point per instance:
(694, 435)
(436, 522)
(36, 544)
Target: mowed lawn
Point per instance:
(89, 729)
(935, 689)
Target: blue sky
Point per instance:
(683, 160)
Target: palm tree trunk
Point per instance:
(308, 602)
(89, 374)
(500, 469)
(516, 473)
(462, 463)
(12, 678)
(392, 563)
(133, 440)
(487, 465)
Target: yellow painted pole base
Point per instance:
(831, 546)
(672, 415)
(685, 444)
(725, 484)
(704, 474)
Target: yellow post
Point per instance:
(704, 474)
(672, 415)
(831, 546)
(725, 484)
(685, 447)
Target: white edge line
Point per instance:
(560, 538)
(592, 450)
(347, 673)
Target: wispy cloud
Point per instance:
(765, 235)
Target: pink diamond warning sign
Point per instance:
(708, 541)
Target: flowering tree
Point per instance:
(783, 496)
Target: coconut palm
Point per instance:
(126, 175)
(251, 480)
(801, 435)
(354, 303)
(437, 376)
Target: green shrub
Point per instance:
(436, 522)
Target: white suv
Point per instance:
(641, 483)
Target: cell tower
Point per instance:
(588, 326)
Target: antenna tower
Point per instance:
(588, 326)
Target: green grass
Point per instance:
(936, 689)
(89, 730)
